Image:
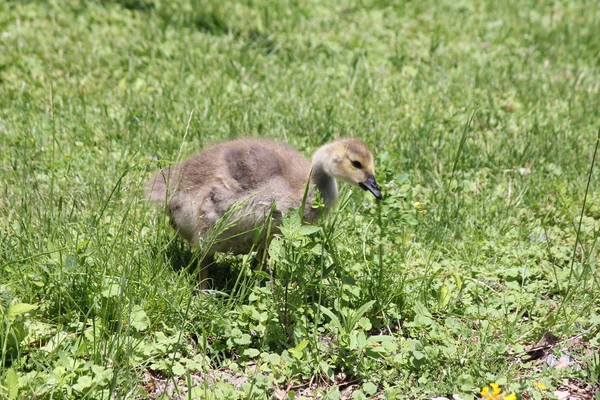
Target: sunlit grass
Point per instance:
(483, 117)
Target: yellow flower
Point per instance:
(540, 385)
(495, 389)
(495, 393)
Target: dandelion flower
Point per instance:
(510, 397)
(485, 391)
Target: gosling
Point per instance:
(257, 179)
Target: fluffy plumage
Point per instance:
(249, 176)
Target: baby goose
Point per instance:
(251, 175)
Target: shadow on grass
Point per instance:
(220, 272)
(133, 5)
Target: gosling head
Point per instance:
(349, 160)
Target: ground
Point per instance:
(478, 267)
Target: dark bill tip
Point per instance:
(371, 185)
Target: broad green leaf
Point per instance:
(138, 319)
(334, 319)
(327, 370)
(55, 341)
(318, 249)
(251, 353)
(458, 280)
(365, 324)
(276, 251)
(381, 339)
(466, 382)
(298, 351)
(418, 355)
(389, 343)
(18, 309)
(306, 230)
(236, 332)
(358, 314)
(421, 310)
(101, 373)
(84, 382)
(422, 315)
(11, 382)
(361, 340)
(290, 226)
(376, 352)
(243, 340)
(274, 358)
(444, 297)
(352, 342)
(178, 369)
(111, 290)
(369, 388)
(301, 346)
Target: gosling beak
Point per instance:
(371, 185)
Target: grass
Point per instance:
(483, 116)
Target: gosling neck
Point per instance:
(326, 183)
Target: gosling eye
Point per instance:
(356, 164)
